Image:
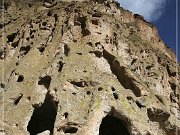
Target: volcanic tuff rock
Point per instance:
(84, 68)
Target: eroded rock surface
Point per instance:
(85, 67)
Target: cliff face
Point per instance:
(84, 68)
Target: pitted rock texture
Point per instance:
(84, 68)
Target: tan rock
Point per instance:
(85, 67)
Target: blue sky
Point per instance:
(162, 13)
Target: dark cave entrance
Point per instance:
(43, 117)
(113, 126)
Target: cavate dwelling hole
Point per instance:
(133, 61)
(89, 44)
(41, 49)
(17, 99)
(95, 22)
(1, 26)
(149, 67)
(24, 50)
(74, 93)
(43, 117)
(44, 23)
(66, 50)
(2, 85)
(11, 37)
(56, 17)
(79, 83)
(71, 130)
(66, 114)
(157, 115)
(29, 98)
(113, 89)
(139, 104)
(20, 78)
(82, 20)
(32, 36)
(79, 53)
(88, 92)
(46, 80)
(115, 95)
(84, 31)
(100, 89)
(68, 128)
(129, 98)
(17, 63)
(60, 66)
(173, 86)
(112, 126)
(15, 44)
(49, 13)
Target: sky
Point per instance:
(162, 13)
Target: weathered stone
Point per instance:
(84, 67)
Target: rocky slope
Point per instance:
(84, 68)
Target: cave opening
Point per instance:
(111, 125)
(46, 80)
(20, 78)
(43, 117)
(71, 130)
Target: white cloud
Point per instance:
(150, 9)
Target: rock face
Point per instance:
(84, 68)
